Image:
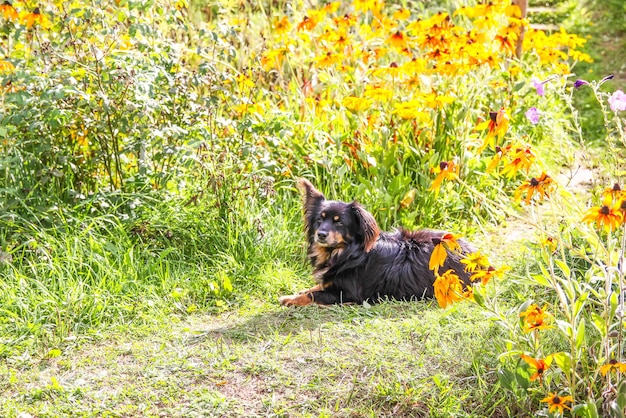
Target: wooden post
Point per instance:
(523, 5)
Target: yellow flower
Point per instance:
(613, 366)
(521, 158)
(550, 244)
(536, 318)
(474, 261)
(378, 93)
(448, 242)
(282, 26)
(328, 59)
(446, 170)
(356, 104)
(448, 288)
(410, 110)
(402, 14)
(6, 67)
(557, 402)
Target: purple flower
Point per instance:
(605, 79)
(539, 86)
(532, 115)
(617, 101)
(579, 83)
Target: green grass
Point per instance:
(393, 359)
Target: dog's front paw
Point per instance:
(296, 300)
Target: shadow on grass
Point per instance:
(285, 321)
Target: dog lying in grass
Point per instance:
(353, 261)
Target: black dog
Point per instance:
(354, 262)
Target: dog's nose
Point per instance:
(322, 235)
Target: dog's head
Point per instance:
(331, 224)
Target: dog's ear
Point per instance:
(312, 199)
(368, 226)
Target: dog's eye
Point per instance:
(337, 220)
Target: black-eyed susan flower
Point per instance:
(537, 365)
(537, 185)
(447, 242)
(536, 318)
(398, 40)
(556, 402)
(402, 14)
(447, 170)
(521, 158)
(8, 11)
(448, 288)
(497, 125)
(34, 17)
(485, 275)
(613, 366)
(614, 192)
(604, 216)
(378, 93)
(475, 261)
(550, 244)
(282, 26)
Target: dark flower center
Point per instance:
(443, 165)
(556, 400)
(534, 182)
(493, 116)
(604, 210)
(616, 187)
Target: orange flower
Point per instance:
(497, 125)
(448, 288)
(448, 242)
(8, 11)
(538, 365)
(487, 274)
(536, 318)
(604, 215)
(282, 26)
(521, 158)
(446, 170)
(35, 17)
(539, 185)
(397, 40)
(613, 366)
(557, 402)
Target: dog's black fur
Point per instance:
(354, 262)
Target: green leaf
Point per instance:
(564, 267)
(563, 361)
(580, 334)
(541, 280)
(599, 323)
(506, 379)
(588, 410)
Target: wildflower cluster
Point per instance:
(449, 287)
(398, 68)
